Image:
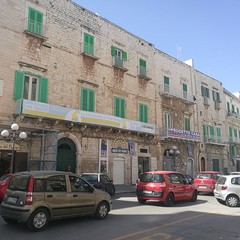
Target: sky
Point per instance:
(206, 31)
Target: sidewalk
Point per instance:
(125, 188)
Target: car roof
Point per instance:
(161, 172)
(208, 172)
(43, 173)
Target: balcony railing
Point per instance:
(143, 73)
(210, 139)
(171, 92)
(88, 50)
(179, 134)
(120, 63)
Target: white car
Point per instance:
(227, 190)
(234, 173)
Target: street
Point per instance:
(204, 219)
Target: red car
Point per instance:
(165, 186)
(4, 181)
(205, 181)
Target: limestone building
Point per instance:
(94, 97)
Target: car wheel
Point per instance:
(102, 210)
(232, 201)
(194, 196)
(141, 201)
(169, 200)
(38, 220)
(9, 220)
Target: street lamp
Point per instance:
(13, 138)
(174, 152)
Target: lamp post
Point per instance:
(13, 138)
(174, 152)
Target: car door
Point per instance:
(83, 199)
(106, 182)
(56, 195)
(177, 185)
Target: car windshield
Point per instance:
(204, 175)
(19, 182)
(149, 177)
(4, 177)
(90, 178)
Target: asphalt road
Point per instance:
(204, 219)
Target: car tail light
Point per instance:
(223, 187)
(29, 198)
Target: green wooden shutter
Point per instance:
(39, 23)
(228, 107)
(184, 87)
(84, 99)
(143, 113)
(43, 90)
(166, 80)
(205, 132)
(124, 56)
(230, 132)
(142, 63)
(18, 85)
(113, 51)
(91, 101)
(122, 108)
(187, 124)
(31, 19)
(235, 132)
(116, 106)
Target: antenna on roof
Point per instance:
(179, 52)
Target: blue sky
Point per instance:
(205, 30)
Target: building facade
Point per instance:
(94, 97)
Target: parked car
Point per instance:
(234, 173)
(40, 196)
(164, 186)
(205, 181)
(100, 181)
(189, 178)
(227, 190)
(4, 181)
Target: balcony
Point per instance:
(120, 63)
(179, 134)
(143, 73)
(169, 92)
(234, 140)
(88, 50)
(215, 140)
(35, 28)
(55, 112)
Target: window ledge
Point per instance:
(36, 35)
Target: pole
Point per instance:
(13, 153)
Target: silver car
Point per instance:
(227, 190)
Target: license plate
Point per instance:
(147, 192)
(202, 186)
(12, 200)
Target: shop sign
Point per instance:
(120, 150)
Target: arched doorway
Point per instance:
(202, 166)
(66, 155)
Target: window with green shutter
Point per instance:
(30, 86)
(166, 83)
(228, 107)
(235, 133)
(87, 100)
(211, 132)
(143, 113)
(219, 135)
(143, 67)
(119, 56)
(187, 123)
(216, 96)
(119, 107)
(205, 91)
(233, 109)
(35, 21)
(88, 44)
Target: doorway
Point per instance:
(143, 165)
(66, 155)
